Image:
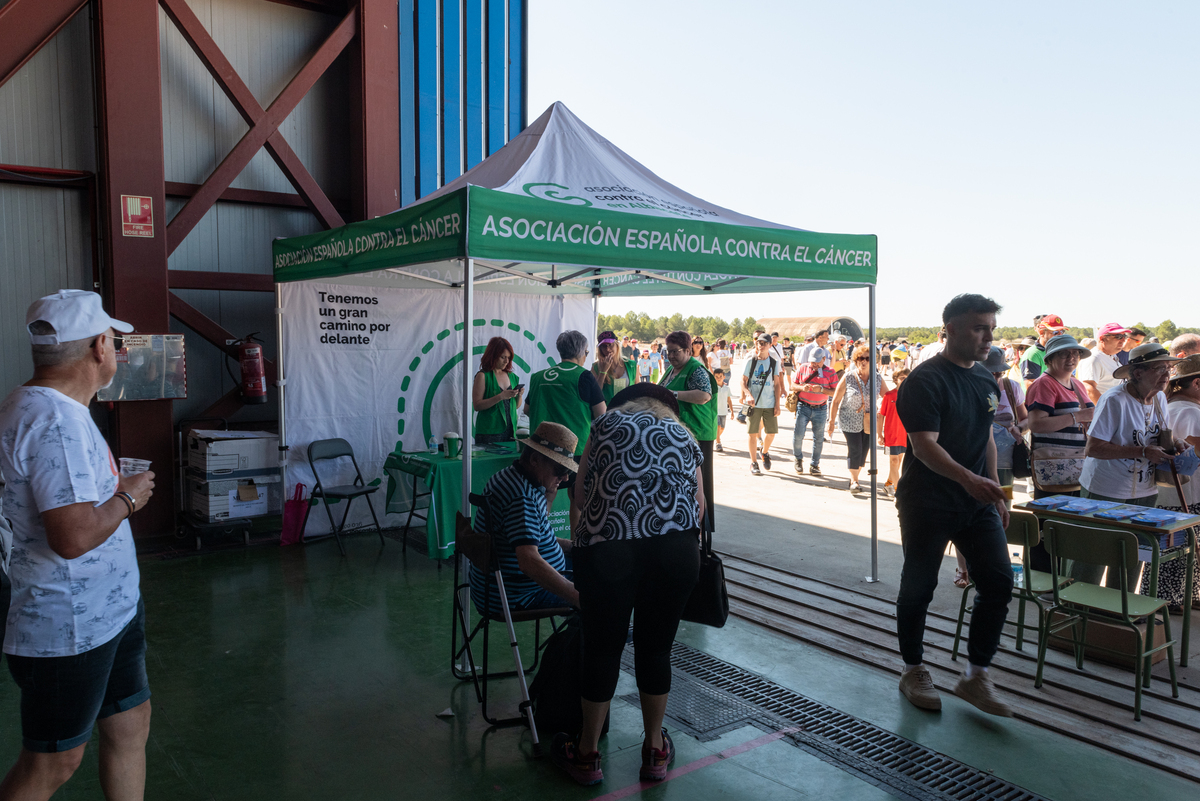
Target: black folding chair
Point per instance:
(327, 449)
(477, 548)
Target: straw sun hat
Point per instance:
(1146, 353)
(1187, 368)
(555, 442)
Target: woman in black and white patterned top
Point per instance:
(636, 550)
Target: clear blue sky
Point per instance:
(1041, 153)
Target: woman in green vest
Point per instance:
(613, 372)
(496, 394)
(696, 390)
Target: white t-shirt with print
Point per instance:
(1122, 419)
(53, 455)
(1099, 368)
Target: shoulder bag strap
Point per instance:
(1012, 398)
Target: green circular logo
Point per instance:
(550, 192)
(431, 386)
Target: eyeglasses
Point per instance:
(862, 359)
(118, 341)
(674, 350)
(561, 471)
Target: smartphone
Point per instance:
(517, 387)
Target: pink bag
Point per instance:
(295, 515)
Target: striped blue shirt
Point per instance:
(519, 506)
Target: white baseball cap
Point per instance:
(74, 314)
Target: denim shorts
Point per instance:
(62, 697)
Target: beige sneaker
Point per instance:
(917, 686)
(981, 693)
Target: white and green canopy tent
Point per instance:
(561, 210)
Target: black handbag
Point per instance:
(1021, 466)
(709, 602)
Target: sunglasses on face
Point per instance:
(674, 350)
(118, 341)
(862, 359)
(561, 471)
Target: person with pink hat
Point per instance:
(1096, 373)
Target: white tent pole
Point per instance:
(468, 337)
(874, 452)
(464, 595)
(280, 383)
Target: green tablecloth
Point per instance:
(442, 477)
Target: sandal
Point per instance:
(961, 579)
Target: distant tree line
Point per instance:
(1166, 330)
(645, 328)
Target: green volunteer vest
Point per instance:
(610, 390)
(700, 419)
(554, 396)
(493, 420)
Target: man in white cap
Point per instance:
(76, 626)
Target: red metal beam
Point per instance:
(375, 98)
(263, 124)
(236, 282)
(131, 154)
(208, 328)
(25, 28)
(254, 197)
(44, 176)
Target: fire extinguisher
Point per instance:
(254, 370)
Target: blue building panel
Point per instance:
(451, 91)
(463, 86)
(497, 57)
(408, 103)
(473, 73)
(428, 132)
(516, 66)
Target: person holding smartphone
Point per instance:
(495, 394)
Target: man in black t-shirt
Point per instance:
(949, 492)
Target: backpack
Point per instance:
(554, 691)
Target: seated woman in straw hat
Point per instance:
(532, 560)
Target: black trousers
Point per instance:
(706, 473)
(651, 578)
(979, 537)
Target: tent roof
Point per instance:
(560, 209)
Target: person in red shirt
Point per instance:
(892, 434)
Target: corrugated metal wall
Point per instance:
(267, 44)
(47, 119)
(461, 86)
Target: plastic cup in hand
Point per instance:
(131, 467)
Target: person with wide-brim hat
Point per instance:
(1123, 442)
(1183, 406)
(532, 559)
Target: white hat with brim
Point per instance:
(74, 314)
(556, 442)
(1142, 355)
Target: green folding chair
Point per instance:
(1022, 531)
(1081, 600)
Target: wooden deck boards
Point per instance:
(1094, 705)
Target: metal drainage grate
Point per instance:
(710, 697)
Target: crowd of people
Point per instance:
(632, 441)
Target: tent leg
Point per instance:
(874, 469)
(280, 386)
(468, 340)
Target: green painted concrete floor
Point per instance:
(294, 673)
